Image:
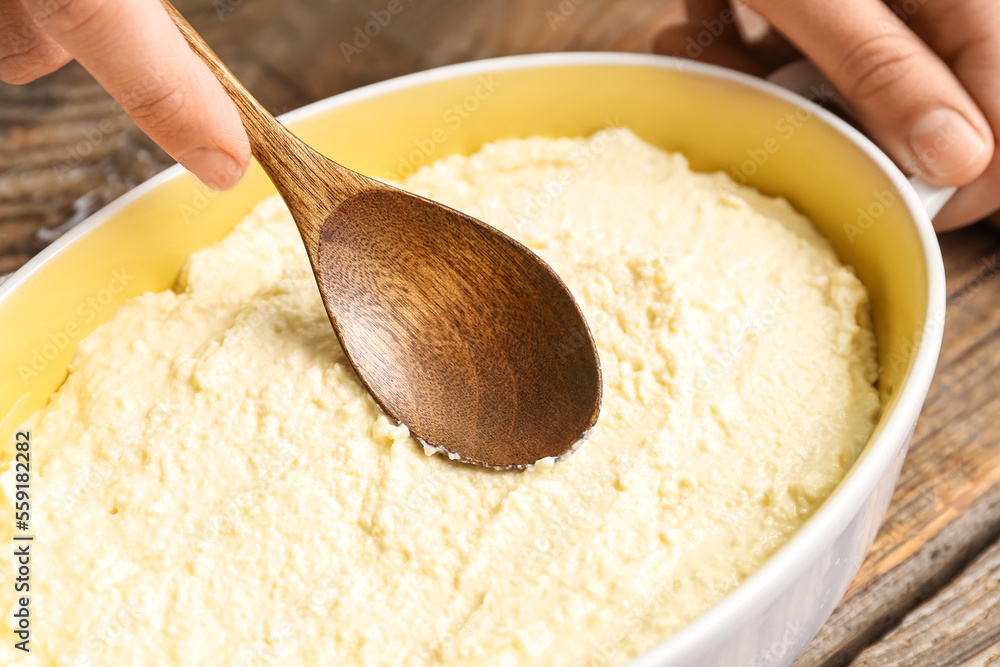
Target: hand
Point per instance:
(922, 76)
(133, 49)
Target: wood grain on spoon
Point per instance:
(455, 329)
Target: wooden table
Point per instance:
(929, 592)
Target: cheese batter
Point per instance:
(214, 487)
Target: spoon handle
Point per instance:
(306, 180)
(261, 126)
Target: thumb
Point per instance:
(896, 86)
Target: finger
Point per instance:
(26, 52)
(899, 89)
(966, 34)
(134, 50)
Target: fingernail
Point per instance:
(944, 142)
(215, 168)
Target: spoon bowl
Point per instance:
(457, 330)
(504, 359)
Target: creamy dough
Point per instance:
(216, 488)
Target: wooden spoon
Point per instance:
(456, 330)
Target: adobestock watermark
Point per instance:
(93, 308)
(200, 200)
(100, 475)
(881, 202)
(204, 529)
(987, 270)
(793, 639)
(26, 33)
(712, 29)
(560, 526)
(225, 8)
(275, 646)
(364, 34)
(134, 435)
(564, 522)
(250, 321)
(609, 651)
(941, 143)
(580, 161)
(784, 130)
(452, 118)
(561, 13)
(103, 472)
(413, 502)
(905, 349)
(755, 326)
(579, 337)
(111, 629)
(105, 136)
(203, 196)
(448, 636)
(905, 9)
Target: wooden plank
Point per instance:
(946, 509)
(960, 625)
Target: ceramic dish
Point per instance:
(762, 135)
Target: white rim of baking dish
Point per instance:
(761, 589)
